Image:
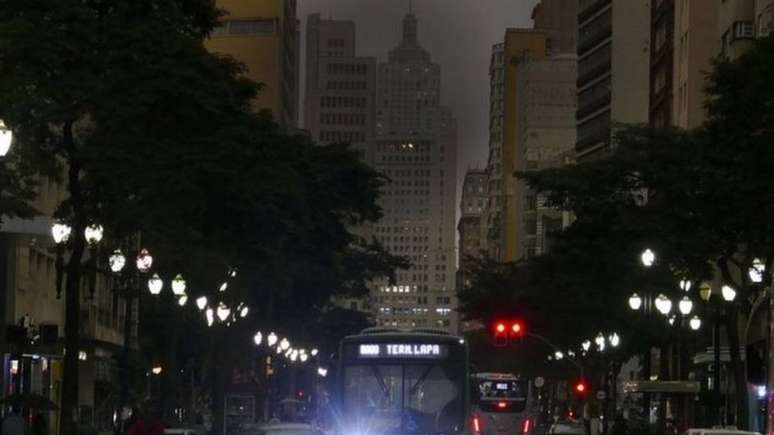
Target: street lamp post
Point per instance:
(6, 139)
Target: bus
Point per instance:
(392, 381)
(502, 405)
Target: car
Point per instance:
(719, 430)
(279, 429)
(567, 428)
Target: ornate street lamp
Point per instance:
(685, 285)
(144, 261)
(663, 304)
(685, 306)
(201, 302)
(178, 285)
(183, 300)
(93, 234)
(155, 284)
(586, 345)
(223, 312)
(705, 291)
(6, 138)
(695, 323)
(117, 261)
(210, 315)
(729, 293)
(614, 339)
(314, 352)
(647, 258)
(756, 271)
(635, 302)
(600, 342)
(244, 312)
(258, 338)
(284, 344)
(271, 340)
(60, 232)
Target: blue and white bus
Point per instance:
(394, 381)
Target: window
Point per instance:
(743, 30)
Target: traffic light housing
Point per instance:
(507, 332)
(515, 332)
(500, 334)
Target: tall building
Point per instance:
(559, 19)
(662, 31)
(493, 211)
(416, 147)
(546, 108)
(340, 87)
(519, 45)
(696, 45)
(471, 224)
(264, 36)
(736, 26)
(613, 70)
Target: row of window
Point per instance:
(342, 136)
(405, 192)
(347, 85)
(421, 158)
(335, 43)
(265, 26)
(347, 68)
(343, 118)
(415, 230)
(343, 101)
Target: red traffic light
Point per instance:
(500, 327)
(580, 388)
(516, 328)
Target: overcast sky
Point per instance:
(458, 34)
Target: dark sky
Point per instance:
(458, 34)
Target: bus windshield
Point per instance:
(415, 398)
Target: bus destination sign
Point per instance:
(403, 350)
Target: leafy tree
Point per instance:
(698, 198)
(151, 133)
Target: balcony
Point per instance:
(587, 8)
(594, 32)
(594, 65)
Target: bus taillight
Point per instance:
(502, 405)
(476, 424)
(526, 426)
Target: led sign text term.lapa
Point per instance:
(401, 350)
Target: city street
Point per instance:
(386, 217)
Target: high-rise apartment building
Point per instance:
(493, 212)
(519, 45)
(416, 147)
(613, 70)
(264, 36)
(695, 45)
(340, 86)
(546, 108)
(559, 19)
(471, 225)
(662, 30)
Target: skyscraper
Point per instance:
(470, 226)
(264, 36)
(340, 86)
(416, 147)
(613, 70)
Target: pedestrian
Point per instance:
(13, 424)
(148, 421)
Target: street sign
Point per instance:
(539, 382)
(601, 395)
(661, 387)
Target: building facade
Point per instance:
(416, 147)
(340, 86)
(546, 108)
(493, 211)
(613, 70)
(662, 29)
(519, 46)
(32, 338)
(472, 232)
(264, 36)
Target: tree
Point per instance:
(698, 198)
